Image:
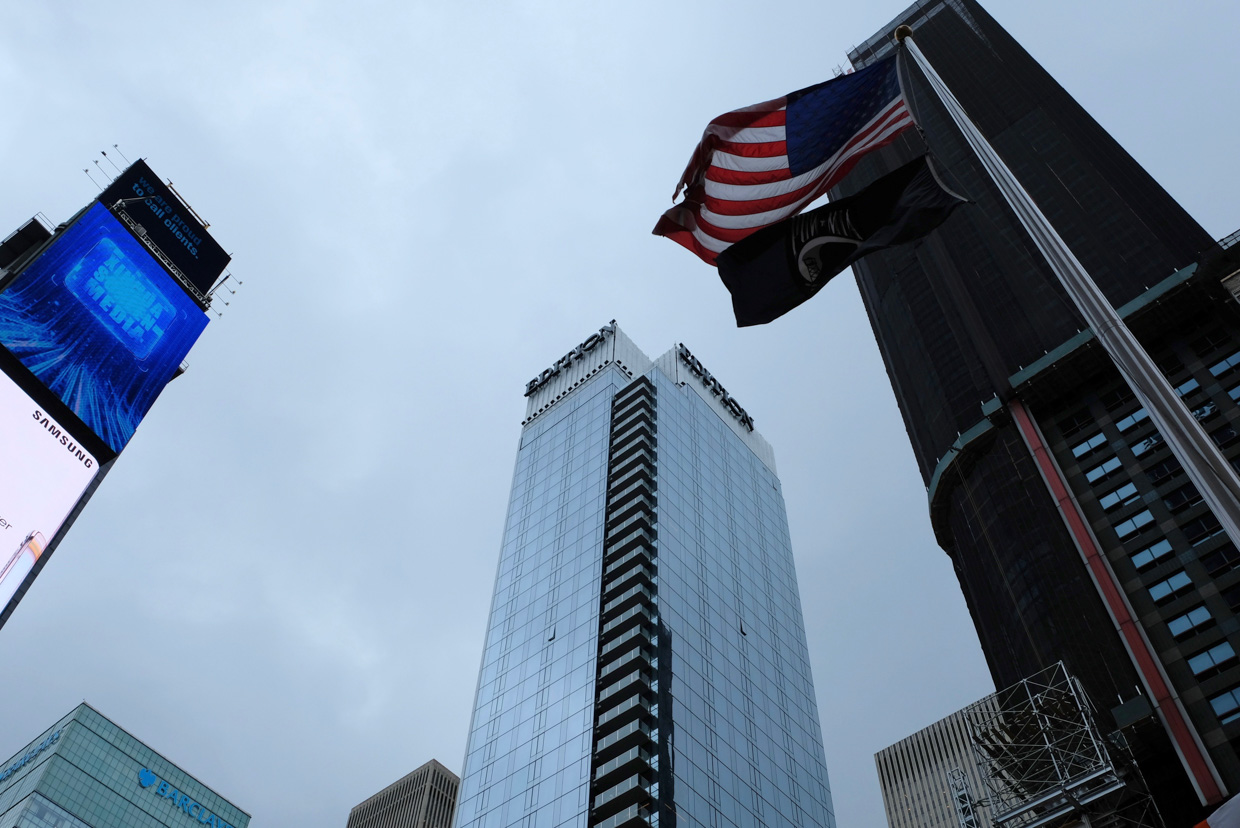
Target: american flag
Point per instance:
(761, 164)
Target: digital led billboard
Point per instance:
(45, 473)
(100, 323)
(172, 228)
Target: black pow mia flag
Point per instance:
(772, 271)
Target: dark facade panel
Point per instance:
(962, 315)
(1124, 227)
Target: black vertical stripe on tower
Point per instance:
(625, 761)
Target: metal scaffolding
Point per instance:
(966, 816)
(1045, 763)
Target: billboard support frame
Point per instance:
(139, 232)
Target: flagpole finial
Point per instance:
(902, 32)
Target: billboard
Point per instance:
(100, 323)
(169, 224)
(45, 473)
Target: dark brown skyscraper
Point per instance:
(975, 332)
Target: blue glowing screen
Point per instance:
(100, 323)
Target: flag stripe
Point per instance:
(726, 234)
(749, 222)
(758, 135)
(775, 149)
(778, 117)
(717, 192)
(757, 206)
(747, 178)
(736, 199)
(728, 161)
(688, 238)
(740, 178)
(760, 204)
(709, 242)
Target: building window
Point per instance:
(1225, 366)
(1134, 524)
(1225, 436)
(1227, 705)
(1075, 424)
(1089, 446)
(1232, 596)
(1213, 661)
(1151, 554)
(1118, 398)
(1122, 496)
(1234, 393)
(1205, 411)
(1164, 470)
(1169, 364)
(1187, 387)
(1177, 584)
(1138, 416)
(1142, 446)
(1221, 560)
(1211, 342)
(1183, 497)
(1201, 528)
(1190, 622)
(1103, 470)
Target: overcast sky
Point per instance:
(283, 584)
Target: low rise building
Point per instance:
(86, 772)
(424, 798)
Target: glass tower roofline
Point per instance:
(614, 348)
(87, 772)
(645, 660)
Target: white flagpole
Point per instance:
(1205, 465)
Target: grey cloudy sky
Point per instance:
(283, 584)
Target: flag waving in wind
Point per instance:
(779, 267)
(759, 165)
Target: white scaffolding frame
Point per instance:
(1045, 763)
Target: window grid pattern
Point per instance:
(1151, 554)
(747, 742)
(1195, 619)
(90, 776)
(913, 773)
(424, 798)
(1213, 660)
(1164, 573)
(1227, 705)
(528, 756)
(692, 698)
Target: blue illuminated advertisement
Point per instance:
(100, 323)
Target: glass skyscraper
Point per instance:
(645, 660)
(85, 772)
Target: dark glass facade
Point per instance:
(970, 320)
(85, 772)
(1168, 552)
(957, 314)
(645, 660)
